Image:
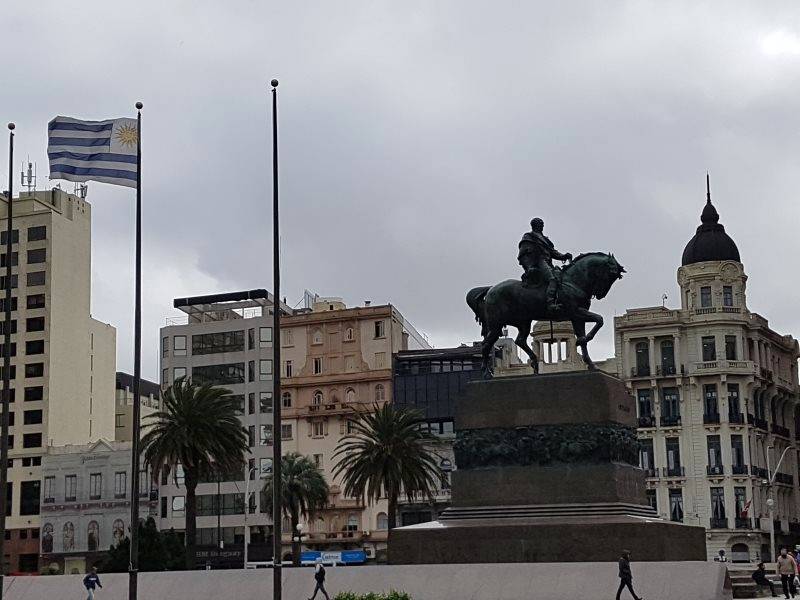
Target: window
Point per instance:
(317, 398)
(251, 435)
(39, 255)
(32, 440)
(10, 418)
(37, 233)
(383, 521)
(710, 405)
(737, 454)
(251, 403)
(730, 347)
(734, 406)
(316, 337)
(727, 295)
(34, 370)
(34, 347)
(14, 304)
(265, 435)
(14, 236)
(120, 484)
(13, 372)
(705, 297)
(318, 365)
(265, 402)
(14, 259)
(36, 278)
(179, 345)
(164, 377)
(673, 456)
(31, 417)
(646, 457)
(224, 374)
(14, 281)
(35, 301)
(670, 406)
(349, 334)
(350, 395)
(264, 337)
(709, 348)
(178, 506)
(676, 505)
(318, 461)
(668, 357)
(644, 401)
(287, 368)
(265, 466)
(651, 499)
(70, 487)
(29, 497)
(740, 496)
(33, 324)
(34, 393)
(379, 329)
(215, 343)
(286, 399)
(288, 337)
(714, 453)
(317, 428)
(264, 370)
(717, 505)
(49, 494)
(13, 349)
(642, 359)
(95, 486)
(380, 393)
(251, 339)
(93, 536)
(178, 373)
(286, 431)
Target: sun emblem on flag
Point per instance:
(127, 135)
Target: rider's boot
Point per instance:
(552, 303)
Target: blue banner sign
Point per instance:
(345, 557)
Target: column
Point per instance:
(676, 342)
(652, 352)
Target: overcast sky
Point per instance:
(418, 139)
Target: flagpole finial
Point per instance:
(11, 126)
(274, 83)
(139, 105)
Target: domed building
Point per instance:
(717, 400)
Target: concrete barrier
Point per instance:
(518, 581)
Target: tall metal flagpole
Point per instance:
(277, 554)
(6, 360)
(133, 568)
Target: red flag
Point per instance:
(746, 509)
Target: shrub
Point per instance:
(391, 595)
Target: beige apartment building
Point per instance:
(63, 361)
(337, 360)
(150, 394)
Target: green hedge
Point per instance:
(391, 595)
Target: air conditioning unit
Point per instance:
(369, 551)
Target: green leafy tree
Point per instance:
(158, 551)
(387, 451)
(197, 427)
(303, 492)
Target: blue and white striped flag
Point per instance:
(93, 150)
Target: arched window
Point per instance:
(740, 553)
(69, 536)
(316, 338)
(380, 393)
(383, 521)
(350, 395)
(317, 400)
(93, 536)
(47, 537)
(349, 334)
(286, 398)
(118, 531)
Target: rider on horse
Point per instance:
(536, 254)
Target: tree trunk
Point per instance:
(392, 511)
(295, 544)
(191, 518)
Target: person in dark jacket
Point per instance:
(760, 577)
(319, 576)
(90, 582)
(625, 575)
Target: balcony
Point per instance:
(670, 420)
(759, 472)
(674, 471)
(715, 470)
(708, 310)
(711, 419)
(784, 479)
(743, 523)
(719, 523)
(665, 370)
(761, 424)
(740, 470)
(650, 472)
(736, 418)
(780, 430)
(648, 421)
(640, 371)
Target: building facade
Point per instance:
(337, 360)
(63, 361)
(225, 339)
(150, 394)
(86, 505)
(717, 399)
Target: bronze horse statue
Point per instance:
(518, 304)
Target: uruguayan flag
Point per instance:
(93, 150)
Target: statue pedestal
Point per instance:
(546, 471)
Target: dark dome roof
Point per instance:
(710, 242)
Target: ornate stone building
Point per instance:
(717, 399)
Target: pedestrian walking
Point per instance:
(760, 577)
(787, 569)
(319, 576)
(625, 575)
(90, 582)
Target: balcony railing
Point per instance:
(665, 370)
(674, 472)
(647, 421)
(742, 523)
(640, 371)
(736, 418)
(761, 424)
(715, 470)
(670, 420)
(711, 418)
(650, 472)
(739, 470)
(780, 430)
(784, 478)
(719, 523)
(705, 311)
(759, 472)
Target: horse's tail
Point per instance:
(475, 300)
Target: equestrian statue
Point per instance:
(544, 293)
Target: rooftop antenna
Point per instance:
(708, 188)
(28, 178)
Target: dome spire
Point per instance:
(710, 214)
(708, 189)
(710, 242)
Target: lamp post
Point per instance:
(300, 528)
(770, 502)
(261, 476)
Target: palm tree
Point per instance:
(387, 451)
(303, 492)
(197, 427)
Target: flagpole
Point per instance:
(133, 567)
(6, 360)
(277, 551)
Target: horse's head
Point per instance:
(606, 272)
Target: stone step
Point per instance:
(547, 510)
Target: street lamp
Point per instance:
(770, 502)
(261, 476)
